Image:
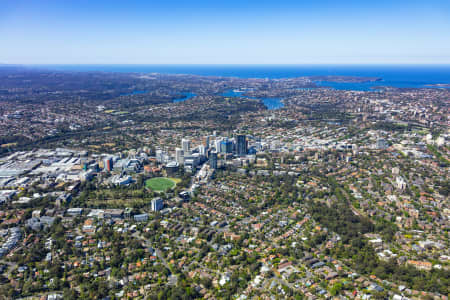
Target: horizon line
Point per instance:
(225, 64)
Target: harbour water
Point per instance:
(270, 103)
(186, 97)
(401, 76)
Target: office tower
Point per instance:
(179, 155)
(382, 144)
(172, 168)
(159, 156)
(108, 164)
(157, 204)
(241, 145)
(217, 144)
(226, 146)
(202, 150)
(213, 160)
(223, 147)
(206, 141)
(186, 145)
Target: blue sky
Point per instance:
(224, 32)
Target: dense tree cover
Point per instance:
(14, 140)
(389, 126)
(356, 251)
(282, 124)
(445, 188)
(181, 292)
(340, 219)
(362, 257)
(444, 162)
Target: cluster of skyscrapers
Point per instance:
(191, 157)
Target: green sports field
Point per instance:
(160, 184)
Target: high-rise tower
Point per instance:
(241, 145)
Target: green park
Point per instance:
(160, 184)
